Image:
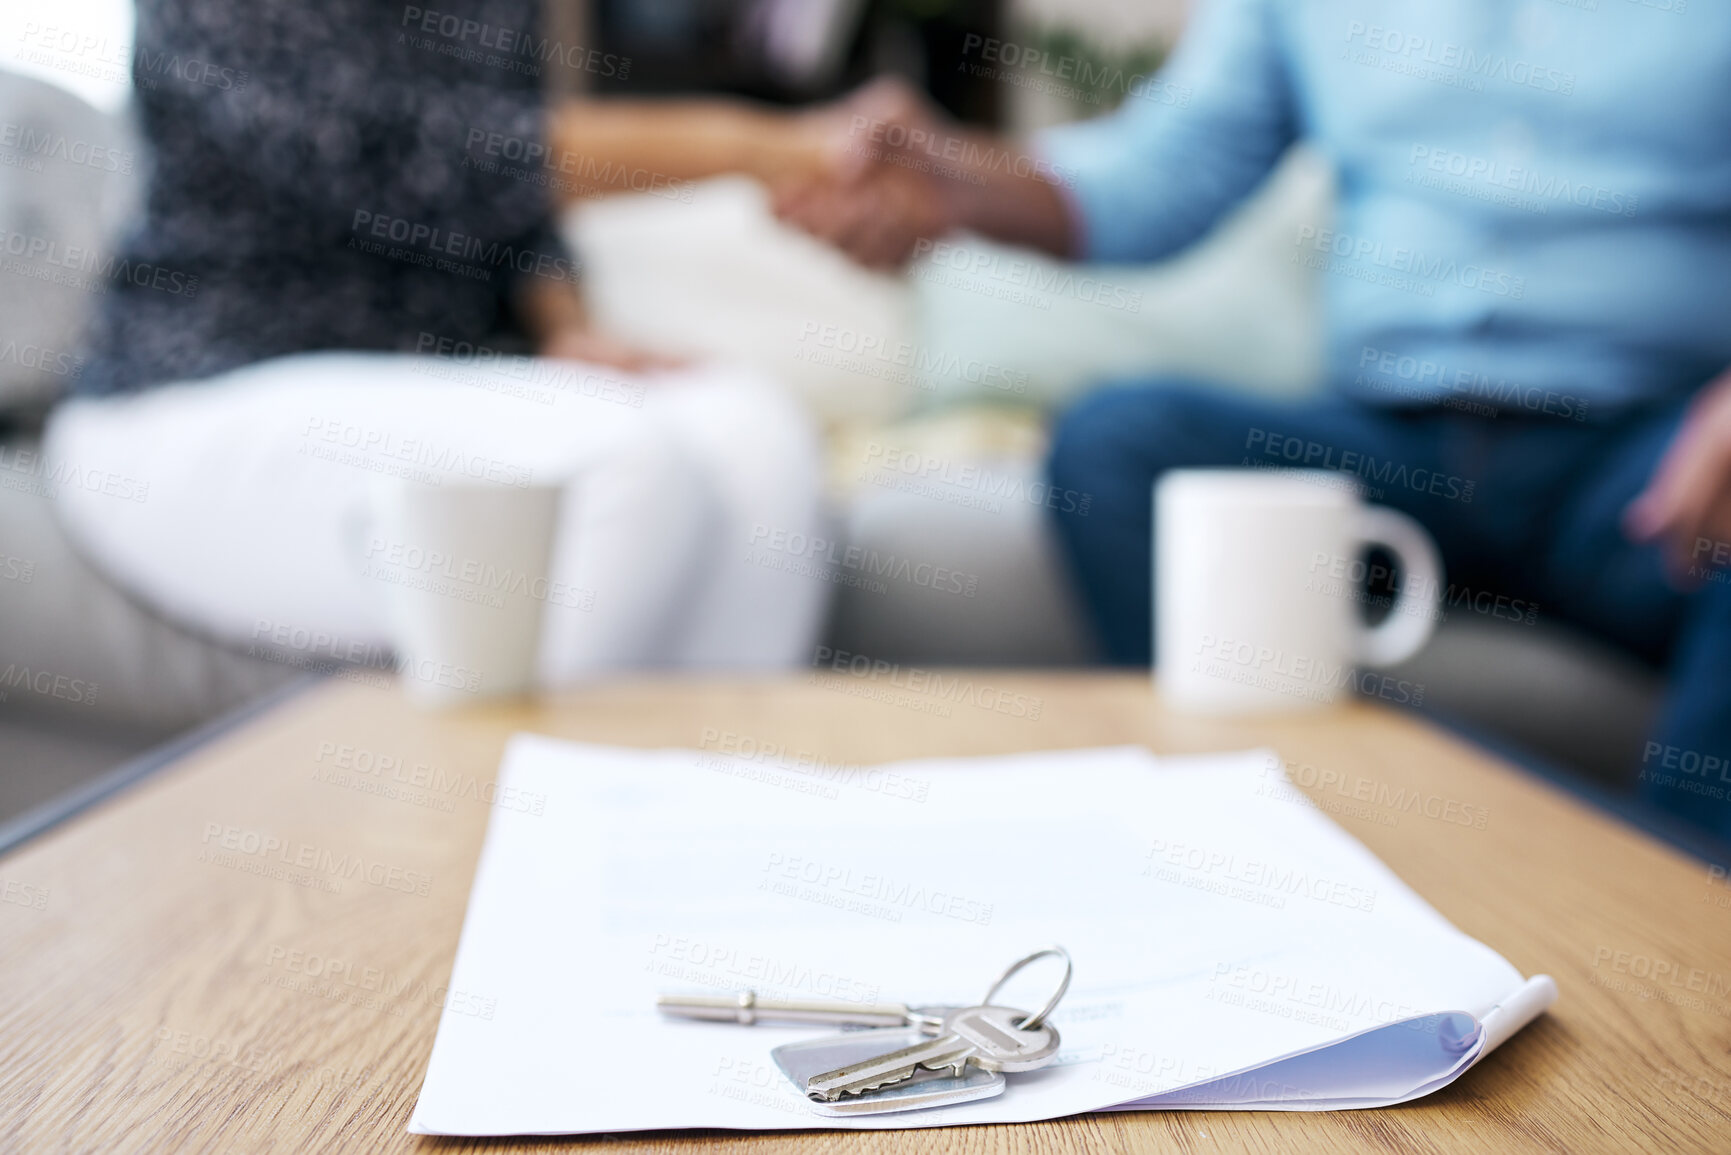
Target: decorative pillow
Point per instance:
(708, 271)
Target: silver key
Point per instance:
(992, 1038)
(748, 1007)
(801, 1060)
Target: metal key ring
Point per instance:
(1032, 1022)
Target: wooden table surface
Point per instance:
(160, 992)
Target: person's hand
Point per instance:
(1687, 503)
(880, 120)
(586, 343)
(874, 196)
(877, 217)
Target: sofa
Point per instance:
(935, 389)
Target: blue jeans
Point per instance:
(1521, 506)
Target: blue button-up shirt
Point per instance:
(1534, 195)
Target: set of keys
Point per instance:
(968, 1050)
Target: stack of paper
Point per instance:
(1232, 946)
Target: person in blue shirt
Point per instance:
(1527, 288)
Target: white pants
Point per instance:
(230, 504)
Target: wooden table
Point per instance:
(159, 993)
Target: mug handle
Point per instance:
(1411, 619)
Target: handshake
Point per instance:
(882, 170)
(873, 174)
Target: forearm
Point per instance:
(682, 140)
(1015, 200)
(979, 181)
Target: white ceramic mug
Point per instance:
(1257, 587)
(465, 567)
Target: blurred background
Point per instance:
(718, 276)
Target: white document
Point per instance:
(1233, 947)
